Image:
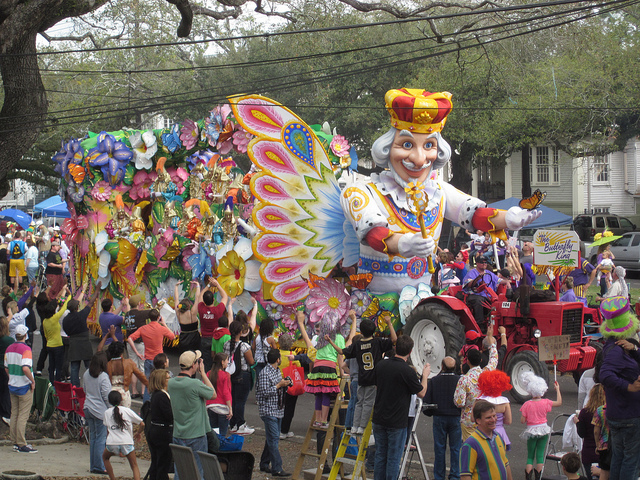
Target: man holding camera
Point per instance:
(188, 396)
(270, 396)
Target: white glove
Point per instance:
(413, 245)
(250, 231)
(517, 217)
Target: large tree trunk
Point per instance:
(25, 104)
(526, 177)
(461, 166)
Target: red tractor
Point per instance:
(438, 325)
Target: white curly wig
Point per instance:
(533, 384)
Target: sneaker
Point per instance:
(283, 436)
(27, 449)
(15, 447)
(347, 431)
(281, 473)
(7, 421)
(290, 434)
(359, 431)
(38, 373)
(245, 430)
(234, 429)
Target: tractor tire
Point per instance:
(525, 361)
(436, 332)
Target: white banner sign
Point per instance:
(556, 248)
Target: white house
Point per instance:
(598, 184)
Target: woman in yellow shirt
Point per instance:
(55, 348)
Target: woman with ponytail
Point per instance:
(240, 361)
(119, 422)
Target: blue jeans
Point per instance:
(239, 393)
(625, 448)
(270, 453)
(97, 441)
(348, 421)
(198, 444)
(74, 371)
(444, 426)
(148, 368)
(389, 449)
(219, 421)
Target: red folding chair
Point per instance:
(79, 397)
(67, 408)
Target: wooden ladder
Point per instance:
(338, 404)
(342, 458)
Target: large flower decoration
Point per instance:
(172, 140)
(219, 128)
(142, 182)
(241, 139)
(189, 134)
(274, 310)
(76, 192)
(101, 191)
(72, 228)
(112, 156)
(339, 146)
(70, 152)
(144, 146)
(231, 269)
(329, 296)
(202, 156)
(360, 301)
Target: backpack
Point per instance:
(16, 250)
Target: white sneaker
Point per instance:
(7, 421)
(245, 430)
(283, 436)
(233, 429)
(290, 434)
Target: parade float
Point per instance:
(301, 228)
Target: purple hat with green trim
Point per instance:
(619, 321)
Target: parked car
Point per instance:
(626, 251)
(586, 226)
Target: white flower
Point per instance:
(144, 147)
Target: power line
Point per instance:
(316, 30)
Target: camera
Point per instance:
(289, 381)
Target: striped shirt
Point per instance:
(484, 458)
(18, 355)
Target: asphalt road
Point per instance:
(304, 410)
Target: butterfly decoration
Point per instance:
(77, 172)
(314, 279)
(360, 280)
(533, 201)
(375, 313)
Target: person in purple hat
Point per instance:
(620, 376)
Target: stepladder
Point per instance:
(413, 447)
(338, 404)
(357, 461)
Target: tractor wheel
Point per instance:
(525, 361)
(436, 332)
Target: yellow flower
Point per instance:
(232, 270)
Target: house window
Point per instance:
(167, 123)
(601, 169)
(544, 168)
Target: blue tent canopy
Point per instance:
(37, 208)
(549, 217)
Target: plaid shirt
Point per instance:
(268, 396)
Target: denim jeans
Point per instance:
(389, 450)
(270, 453)
(148, 368)
(198, 444)
(348, 422)
(74, 369)
(446, 426)
(625, 448)
(219, 421)
(239, 393)
(97, 441)
(56, 362)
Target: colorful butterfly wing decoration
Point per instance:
(360, 280)
(77, 172)
(533, 201)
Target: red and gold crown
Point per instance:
(418, 110)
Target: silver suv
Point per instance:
(586, 226)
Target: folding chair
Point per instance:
(66, 407)
(44, 399)
(185, 462)
(554, 451)
(211, 466)
(79, 396)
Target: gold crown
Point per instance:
(418, 110)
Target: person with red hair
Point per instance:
(492, 383)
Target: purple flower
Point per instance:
(112, 156)
(202, 156)
(70, 152)
(76, 192)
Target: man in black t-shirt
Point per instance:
(396, 382)
(55, 267)
(132, 321)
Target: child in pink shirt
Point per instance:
(219, 409)
(534, 415)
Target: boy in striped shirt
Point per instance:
(18, 364)
(483, 455)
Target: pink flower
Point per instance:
(142, 180)
(101, 191)
(328, 296)
(339, 146)
(189, 134)
(241, 139)
(178, 176)
(225, 146)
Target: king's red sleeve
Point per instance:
(376, 238)
(482, 219)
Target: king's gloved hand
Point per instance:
(517, 217)
(413, 245)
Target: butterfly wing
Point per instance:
(533, 201)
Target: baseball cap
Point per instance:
(55, 242)
(472, 335)
(188, 358)
(22, 330)
(482, 259)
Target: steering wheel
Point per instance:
(475, 284)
